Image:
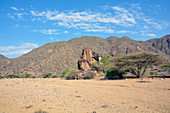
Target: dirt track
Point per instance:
(82, 96)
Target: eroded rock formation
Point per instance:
(87, 58)
(84, 65)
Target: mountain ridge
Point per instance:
(54, 57)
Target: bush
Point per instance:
(71, 75)
(1, 77)
(89, 75)
(166, 66)
(54, 76)
(152, 73)
(11, 76)
(95, 64)
(47, 75)
(113, 73)
(105, 59)
(65, 71)
(27, 76)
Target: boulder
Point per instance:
(90, 55)
(87, 54)
(84, 65)
(87, 58)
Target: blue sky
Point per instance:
(28, 24)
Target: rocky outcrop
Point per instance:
(84, 65)
(87, 58)
(162, 44)
(90, 55)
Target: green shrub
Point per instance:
(11, 76)
(111, 74)
(89, 75)
(33, 76)
(1, 77)
(71, 75)
(95, 64)
(47, 75)
(166, 66)
(27, 76)
(105, 59)
(152, 73)
(65, 71)
(54, 76)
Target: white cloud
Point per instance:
(37, 13)
(63, 24)
(65, 32)
(16, 50)
(123, 31)
(48, 31)
(9, 15)
(19, 15)
(117, 8)
(94, 30)
(156, 25)
(100, 30)
(7, 48)
(145, 33)
(151, 35)
(14, 8)
(22, 46)
(105, 20)
(73, 19)
(109, 31)
(51, 38)
(146, 27)
(137, 6)
(27, 45)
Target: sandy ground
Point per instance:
(84, 96)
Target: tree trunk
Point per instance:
(138, 76)
(144, 70)
(133, 72)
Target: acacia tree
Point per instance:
(135, 63)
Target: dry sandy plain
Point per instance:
(84, 96)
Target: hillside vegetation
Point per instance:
(54, 57)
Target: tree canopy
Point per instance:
(134, 63)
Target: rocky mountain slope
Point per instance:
(162, 44)
(54, 57)
(3, 58)
(4, 61)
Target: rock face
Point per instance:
(87, 58)
(84, 65)
(162, 44)
(87, 54)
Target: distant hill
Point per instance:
(3, 58)
(162, 44)
(4, 61)
(54, 57)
